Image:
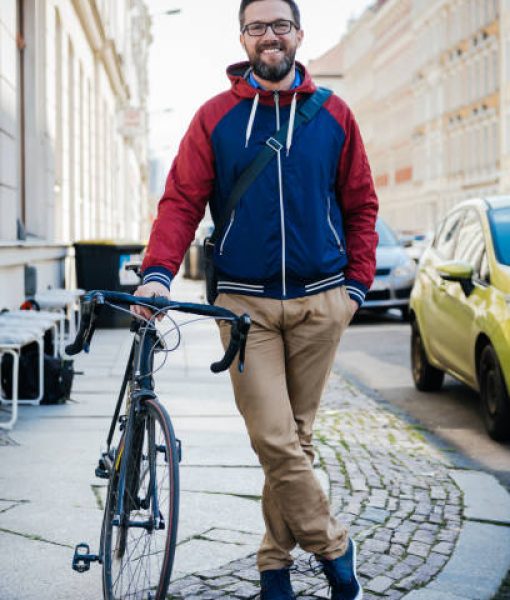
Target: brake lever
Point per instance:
(91, 305)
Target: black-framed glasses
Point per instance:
(279, 27)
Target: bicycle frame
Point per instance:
(142, 386)
(138, 388)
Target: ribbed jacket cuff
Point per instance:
(158, 274)
(356, 290)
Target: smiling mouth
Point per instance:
(273, 50)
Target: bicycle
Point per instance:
(139, 528)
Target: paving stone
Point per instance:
(243, 590)
(375, 514)
(223, 582)
(424, 536)
(379, 584)
(376, 546)
(443, 548)
(418, 549)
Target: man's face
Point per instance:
(271, 56)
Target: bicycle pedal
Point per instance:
(82, 558)
(102, 470)
(102, 473)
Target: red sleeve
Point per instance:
(188, 187)
(357, 197)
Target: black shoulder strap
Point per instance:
(305, 112)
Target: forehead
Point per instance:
(267, 11)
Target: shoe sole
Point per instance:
(359, 595)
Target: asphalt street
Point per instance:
(375, 352)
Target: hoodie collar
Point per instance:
(239, 72)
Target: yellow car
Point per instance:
(460, 307)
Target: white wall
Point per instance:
(84, 177)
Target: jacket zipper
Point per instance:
(227, 231)
(337, 237)
(280, 188)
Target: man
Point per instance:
(297, 254)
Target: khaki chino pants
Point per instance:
(289, 354)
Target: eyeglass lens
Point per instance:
(280, 27)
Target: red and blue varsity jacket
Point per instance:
(307, 224)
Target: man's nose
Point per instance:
(270, 34)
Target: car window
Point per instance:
(386, 235)
(447, 238)
(500, 226)
(471, 244)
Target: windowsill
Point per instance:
(33, 243)
(17, 253)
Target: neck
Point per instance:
(283, 84)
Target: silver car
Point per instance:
(394, 277)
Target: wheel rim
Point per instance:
(490, 387)
(138, 570)
(417, 356)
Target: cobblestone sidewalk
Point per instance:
(387, 483)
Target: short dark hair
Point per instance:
(296, 15)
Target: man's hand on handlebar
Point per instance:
(148, 290)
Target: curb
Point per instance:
(481, 558)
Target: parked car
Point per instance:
(460, 308)
(418, 244)
(394, 276)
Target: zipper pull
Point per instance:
(276, 95)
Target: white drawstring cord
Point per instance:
(251, 120)
(292, 117)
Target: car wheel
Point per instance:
(494, 396)
(405, 313)
(426, 377)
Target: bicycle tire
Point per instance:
(143, 567)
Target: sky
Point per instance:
(191, 50)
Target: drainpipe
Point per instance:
(20, 42)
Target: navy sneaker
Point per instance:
(275, 585)
(342, 577)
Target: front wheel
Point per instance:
(494, 396)
(138, 555)
(426, 377)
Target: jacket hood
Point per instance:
(238, 73)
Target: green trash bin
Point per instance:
(100, 266)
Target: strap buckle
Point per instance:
(274, 144)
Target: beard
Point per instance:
(276, 72)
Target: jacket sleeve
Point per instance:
(188, 187)
(359, 204)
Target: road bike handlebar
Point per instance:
(92, 303)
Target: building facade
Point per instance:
(428, 81)
(73, 143)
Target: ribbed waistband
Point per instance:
(274, 289)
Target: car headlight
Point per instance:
(407, 270)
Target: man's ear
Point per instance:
(241, 39)
(300, 36)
